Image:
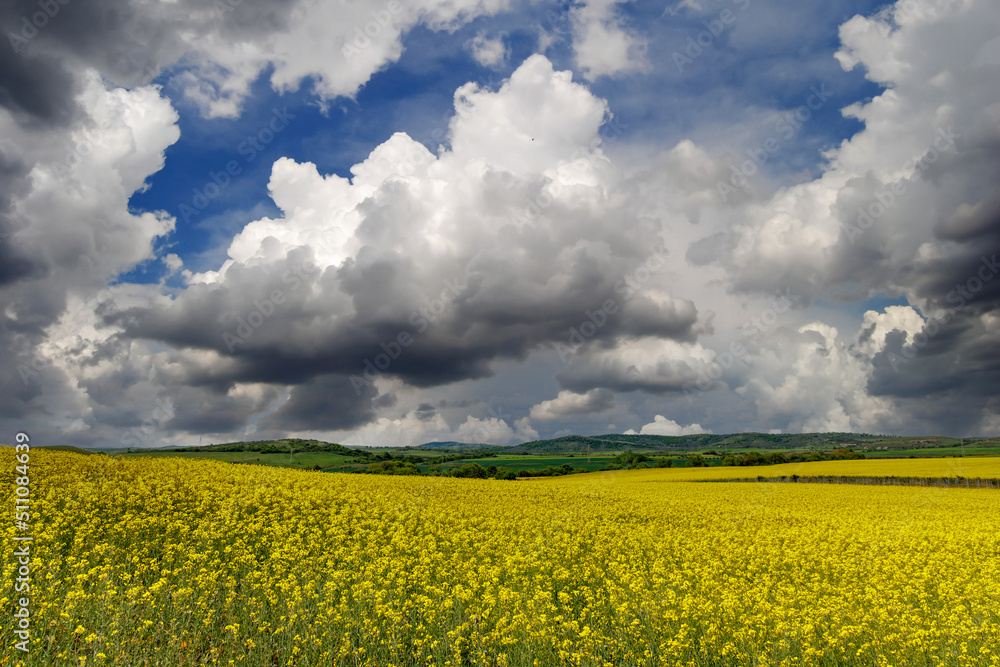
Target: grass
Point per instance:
(595, 461)
(937, 452)
(516, 463)
(968, 467)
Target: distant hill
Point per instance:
(729, 442)
(284, 446)
(611, 442)
(456, 445)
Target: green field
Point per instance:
(936, 451)
(329, 457)
(522, 462)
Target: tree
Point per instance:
(630, 458)
(470, 470)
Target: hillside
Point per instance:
(454, 446)
(284, 446)
(740, 441)
(617, 442)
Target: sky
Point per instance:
(386, 223)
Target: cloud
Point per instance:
(69, 231)
(602, 44)
(215, 51)
(334, 286)
(419, 426)
(920, 172)
(663, 426)
(569, 404)
(905, 208)
(654, 365)
(493, 431)
(821, 386)
(489, 51)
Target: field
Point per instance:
(284, 460)
(539, 462)
(971, 468)
(938, 451)
(172, 561)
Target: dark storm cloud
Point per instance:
(128, 42)
(325, 402)
(668, 377)
(953, 351)
(289, 322)
(425, 411)
(36, 89)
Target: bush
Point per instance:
(631, 459)
(551, 471)
(470, 470)
(392, 468)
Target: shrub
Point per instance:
(470, 470)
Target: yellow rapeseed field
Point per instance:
(185, 562)
(969, 467)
